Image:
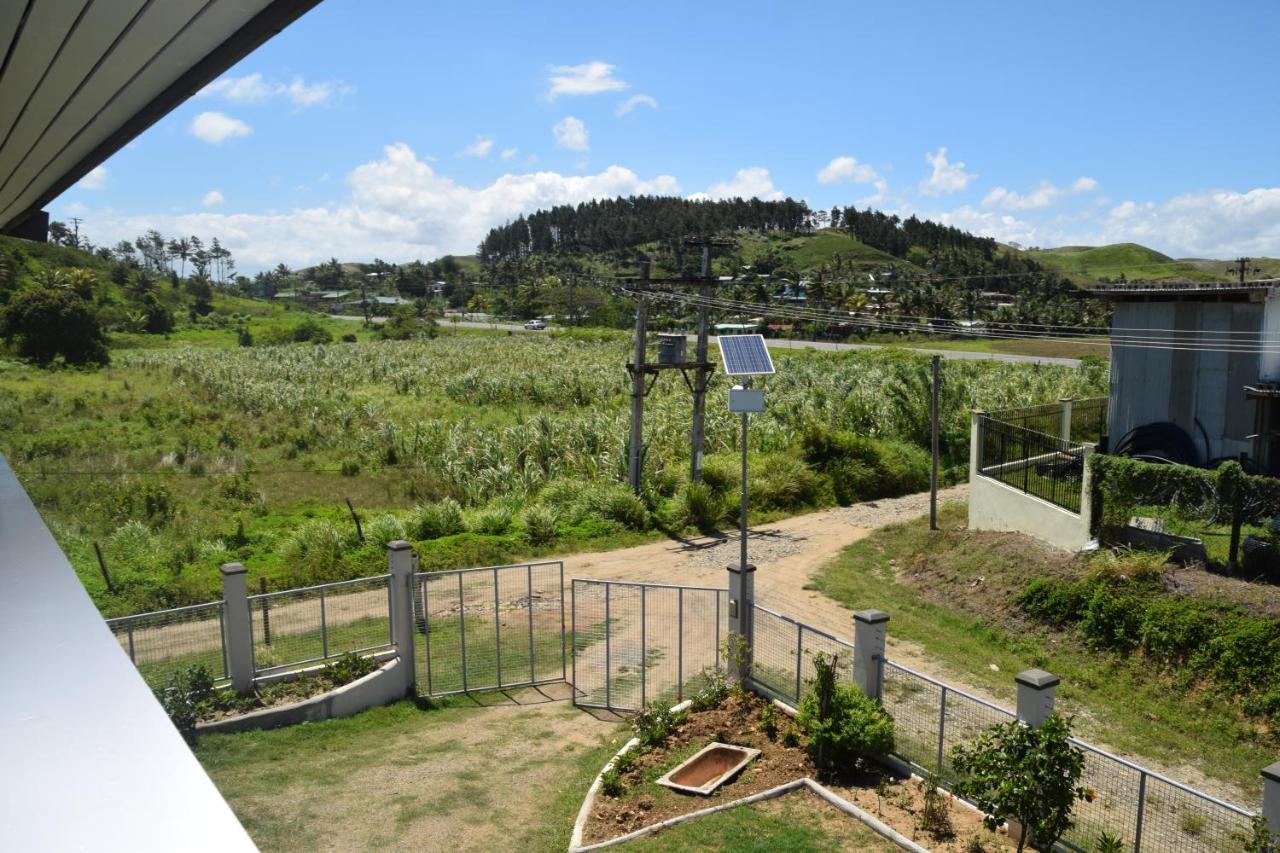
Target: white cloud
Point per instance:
(947, 177)
(849, 170)
(95, 180)
(255, 89)
(635, 101)
(508, 153)
(216, 128)
(1044, 195)
(751, 182)
(399, 208)
(480, 148)
(212, 198)
(591, 78)
(571, 133)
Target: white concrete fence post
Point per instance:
(1271, 797)
(742, 599)
(868, 651)
(402, 563)
(975, 441)
(1064, 425)
(1035, 696)
(236, 627)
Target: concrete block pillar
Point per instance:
(402, 563)
(868, 651)
(742, 599)
(1035, 696)
(1064, 425)
(236, 627)
(975, 442)
(1271, 797)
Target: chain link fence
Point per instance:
(164, 641)
(636, 644)
(297, 627)
(490, 628)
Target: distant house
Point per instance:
(1191, 381)
(739, 328)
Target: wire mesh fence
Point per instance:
(1144, 810)
(297, 627)
(164, 641)
(782, 654)
(636, 644)
(1032, 462)
(489, 628)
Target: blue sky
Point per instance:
(405, 130)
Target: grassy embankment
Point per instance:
(954, 593)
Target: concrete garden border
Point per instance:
(579, 825)
(381, 687)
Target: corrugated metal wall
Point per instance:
(1150, 385)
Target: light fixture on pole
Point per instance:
(745, 356)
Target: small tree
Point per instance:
(46, 323)
(1015, 772)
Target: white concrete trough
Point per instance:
(711, 767)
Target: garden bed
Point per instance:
(632, 799)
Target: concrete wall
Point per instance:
(995, 506)
(380, 687)
(1150, 385)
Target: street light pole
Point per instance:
(742, 513)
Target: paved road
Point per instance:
(780, 344)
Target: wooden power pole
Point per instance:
(702, 374)
(933, 426)
(634, 452)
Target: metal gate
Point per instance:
(490, 628)
(639, 643)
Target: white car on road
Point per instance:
(535, 325)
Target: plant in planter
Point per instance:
(184, 694)
(844, 725)
(654, 724)
(1013, 772)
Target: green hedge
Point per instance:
(1203, 639)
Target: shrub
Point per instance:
(1014, 772)
(1129, 564)
(784, 482)
(182, 695)
(491, 521)
(431, 521)
(844, 725)
(347, 669)
(863, 468)
(539, 524)
(611, 784)
(1112, 618)
(720, 476)
(46, 323)
(713, 694)
(383, 529)
(654, 724)
(701, 506)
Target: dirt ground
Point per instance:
(894, 800)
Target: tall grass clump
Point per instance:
(702, 507)
(431, 521)
(313, 552)
(539, 524)
(383, 529)
(491, 520)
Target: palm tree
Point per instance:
(181, 249)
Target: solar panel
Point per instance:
(745, 355)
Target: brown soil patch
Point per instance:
(895, 800)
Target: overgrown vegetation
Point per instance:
(482, 449)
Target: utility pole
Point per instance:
(637, 384)
(933, 425)
(573, 305)
(75, 221)
(702, 375)
(1241, 267)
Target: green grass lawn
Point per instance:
(952, 594)
(798, 822)
(415, 776)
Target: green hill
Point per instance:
(1130, 260)
(808, 252)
